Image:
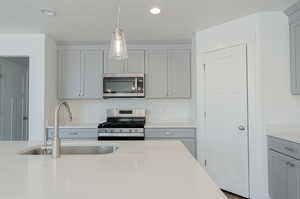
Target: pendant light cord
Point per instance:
(119, 13)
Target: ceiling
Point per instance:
(93, 20)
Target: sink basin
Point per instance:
(73, 150)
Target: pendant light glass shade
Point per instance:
(118, 48)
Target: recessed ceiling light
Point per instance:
(155, 10)
(48, 12)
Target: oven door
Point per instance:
(123, 85)
(120, 138)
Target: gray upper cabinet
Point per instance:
(113, 66)
(134, 64)
(69, 74)
(92, 74)
(156, 74)
(294, 19)
(80, 73)
(168, 74)
(136, 61)
(167, 70)
(179, 73)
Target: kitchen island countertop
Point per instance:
(138, 170)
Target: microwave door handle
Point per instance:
(136, 85)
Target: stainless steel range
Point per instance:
(123, 125)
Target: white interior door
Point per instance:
(13, 101)
(226, 126)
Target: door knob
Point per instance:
(242, 128)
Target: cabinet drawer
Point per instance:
(189, 143)
(284, 147)
(170, 133)
(74, 133)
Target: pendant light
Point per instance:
(118, 48)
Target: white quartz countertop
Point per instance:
(138, 170)
(147, 125)
(292, 136)
(170, 125)
(76, 126)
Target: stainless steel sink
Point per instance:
(72, 150)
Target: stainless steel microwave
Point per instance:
(123, 85)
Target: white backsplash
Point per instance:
(88, 112)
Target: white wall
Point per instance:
(32, 45)
(280, 107)
(51, 79)
(90, 112)
(270, 101)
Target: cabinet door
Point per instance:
(74, 134)
(283, 176)
(179, 73)
(156, 74)
(69, 74)
(278, 177)
(113, 66)
(136, 61)
(293, 171)
(295, 56)
(190, 144)
(92, 62)
(170, 132)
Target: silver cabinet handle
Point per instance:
(169, 133)
(242, 128)
(290, 149)
(290, 164)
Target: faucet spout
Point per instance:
(56, 143)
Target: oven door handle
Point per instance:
(136, 84)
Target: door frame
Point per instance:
(1, 102)
(25, 110)
(254, 110)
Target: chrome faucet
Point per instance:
(56, 145)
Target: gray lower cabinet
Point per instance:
(284, 169)
(134, 64)
(294, 21)
(80, 74)
(186, 135)
(74, 134)
(168, 74)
